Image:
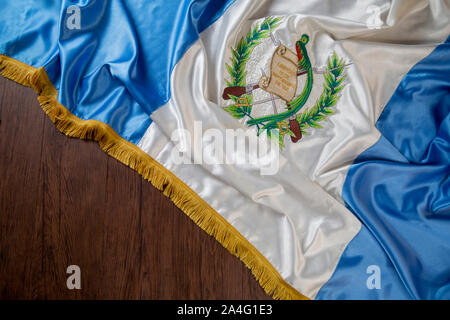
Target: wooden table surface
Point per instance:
(65, 202)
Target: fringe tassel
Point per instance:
(127, 153)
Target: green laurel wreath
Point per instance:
(239, 58)
(334, 83)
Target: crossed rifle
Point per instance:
(239, 91)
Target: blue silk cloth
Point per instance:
(116, 67)
(400, 190)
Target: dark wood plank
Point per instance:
(63, 201)
(21, 220)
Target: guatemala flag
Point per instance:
(310, 138)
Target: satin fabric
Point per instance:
(300, 228)
(349, 281)
(29, 30)
(147, 68)
(116, 67)
(400, 189)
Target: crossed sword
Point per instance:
(250, 87)
(273, 97)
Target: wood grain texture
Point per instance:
(63, 201)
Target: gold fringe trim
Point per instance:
(129, 154)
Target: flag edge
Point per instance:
(197, 209)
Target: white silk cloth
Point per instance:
(296, 217)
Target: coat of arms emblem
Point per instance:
(281, 84)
